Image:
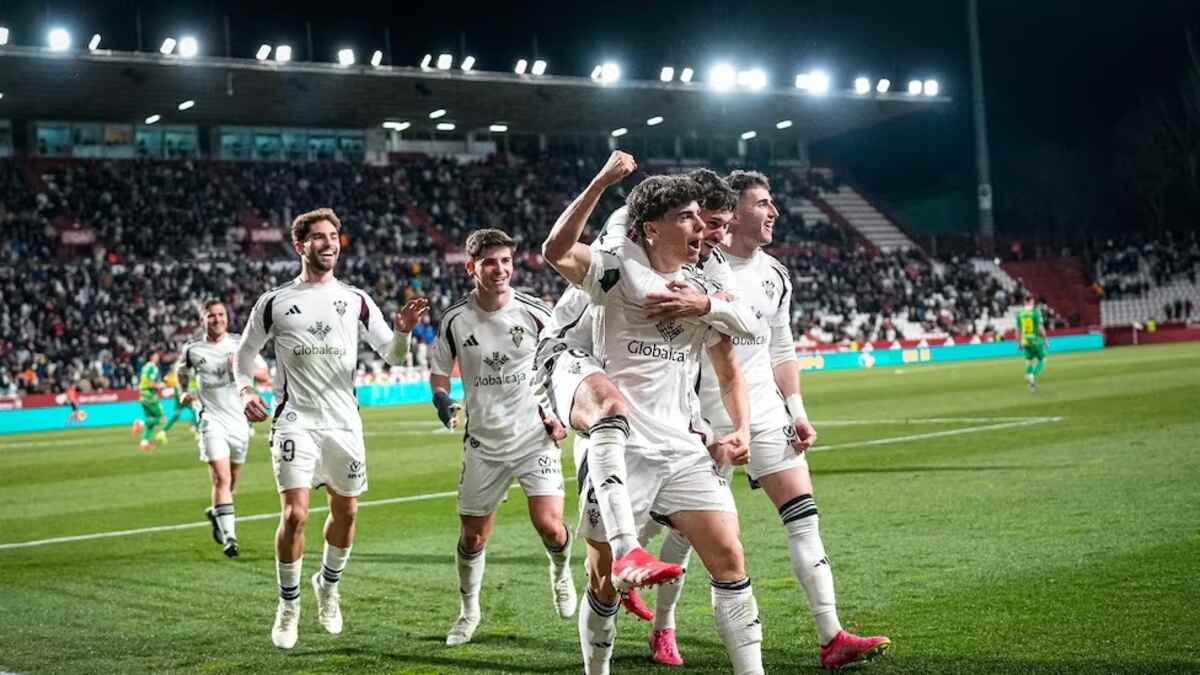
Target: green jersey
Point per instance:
(147, 381)
(1029, 323)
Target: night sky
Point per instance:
(1060, 75)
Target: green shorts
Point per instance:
(1035, 349)
(152, 408)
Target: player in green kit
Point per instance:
(148, 384)
(1033, 340)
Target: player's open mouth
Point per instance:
(694, 245)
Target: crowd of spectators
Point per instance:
(168, 234)
(1130, 267)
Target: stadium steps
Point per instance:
(1063, 282)
(1125, 311)
(862, 216)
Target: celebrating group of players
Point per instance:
(670, 355)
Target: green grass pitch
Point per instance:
(985, 528)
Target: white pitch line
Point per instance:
(1019, 422)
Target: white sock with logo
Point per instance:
(810, 564)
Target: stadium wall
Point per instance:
(52, 416)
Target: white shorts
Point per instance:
(308, 458)
(484, 483)
(771, 451)
(568, 370)
(660, 485)
(215, 445)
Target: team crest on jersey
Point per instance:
(669, 329)
(340, 306)
(769, 288)
(518, 335)
(200, 362)
(496, 361)
(575, 368)
(320, 329)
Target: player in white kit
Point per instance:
(509, 433)
(224, 433)
(316, 432)
(670, 473)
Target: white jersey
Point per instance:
(218, 405)
(317, 328)
(762, 283)
(495, 355)
(653, 363)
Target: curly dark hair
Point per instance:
(304, 222)
(481, 240)
(740, 180)
(717, 194)
(656, 195)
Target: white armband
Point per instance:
(795, 408)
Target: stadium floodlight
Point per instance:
(94, 44)
(783, 124)
(263, 52)
(428, 59)
(596, 72)
(521, 67)
(539, 67)
(445, 126)
(930, 87)
(862, 86)
(914, 87)
(58, 39)
(1, 96)
(617, 133)
(168, 46)
(685, 76)
(667, 74)
(467, 64)
(188, 47)
(3, 35)
(377, 58)
(722, 77)
(153, 119)
(803, 80)
(654, 121)
(818, 82)
(883, 86)
(445, 61)
(397, 126)
(283, 53)
(498, 128)
(754, 79)
(610, 72)
(747, 135)
(346, 56)
(187, 105)
(440, 112)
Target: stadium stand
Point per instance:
(1149, 279)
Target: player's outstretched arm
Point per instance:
(733, 396)
(562, 248)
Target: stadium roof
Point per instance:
(120, 86)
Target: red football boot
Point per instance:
(632, 602)
(663, 649)
(847, 648)
(639, 569)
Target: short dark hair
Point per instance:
(481, 240)
(740, 180)
(304, 222)
(717, 194)
(656, 195)
(209, 303)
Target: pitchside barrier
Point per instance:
(49, 413)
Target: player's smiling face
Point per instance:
(754, 220)
(320, 247)
(716, 229)
(493, 269)
(216, 321)
(679, 235)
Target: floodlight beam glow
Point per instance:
(283, 53)
(94, 44)
(445, 126)
(617, 133)
(445, 61)
(188, 47)
(467, 64)
(58, 39)
(685, 76)
(748, 135)
(654, 121)
(187, 105)
(914, 87)
(522, 66)
(153, 119)
(498, 128)
(666, 74)
(3, 35)
(263, 52)
(539, 67)
(883, 86)
(783, 124)
(862, 86)
(426, 61)
(610, 72)
(168, 46)
(440, 112)
(346, 56)
(722, 77)
(377, 58)
(930, 88)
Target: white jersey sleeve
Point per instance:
(375, 329)
(445, 352)
(254, 338)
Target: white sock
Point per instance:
(560, 557)
(675, 549)
(597, 632)
(470, 578)
(225, 520)
(810, 564)
(736, 613)
(332, 563)
(288, 576)
(649, 531)
(606, 471)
